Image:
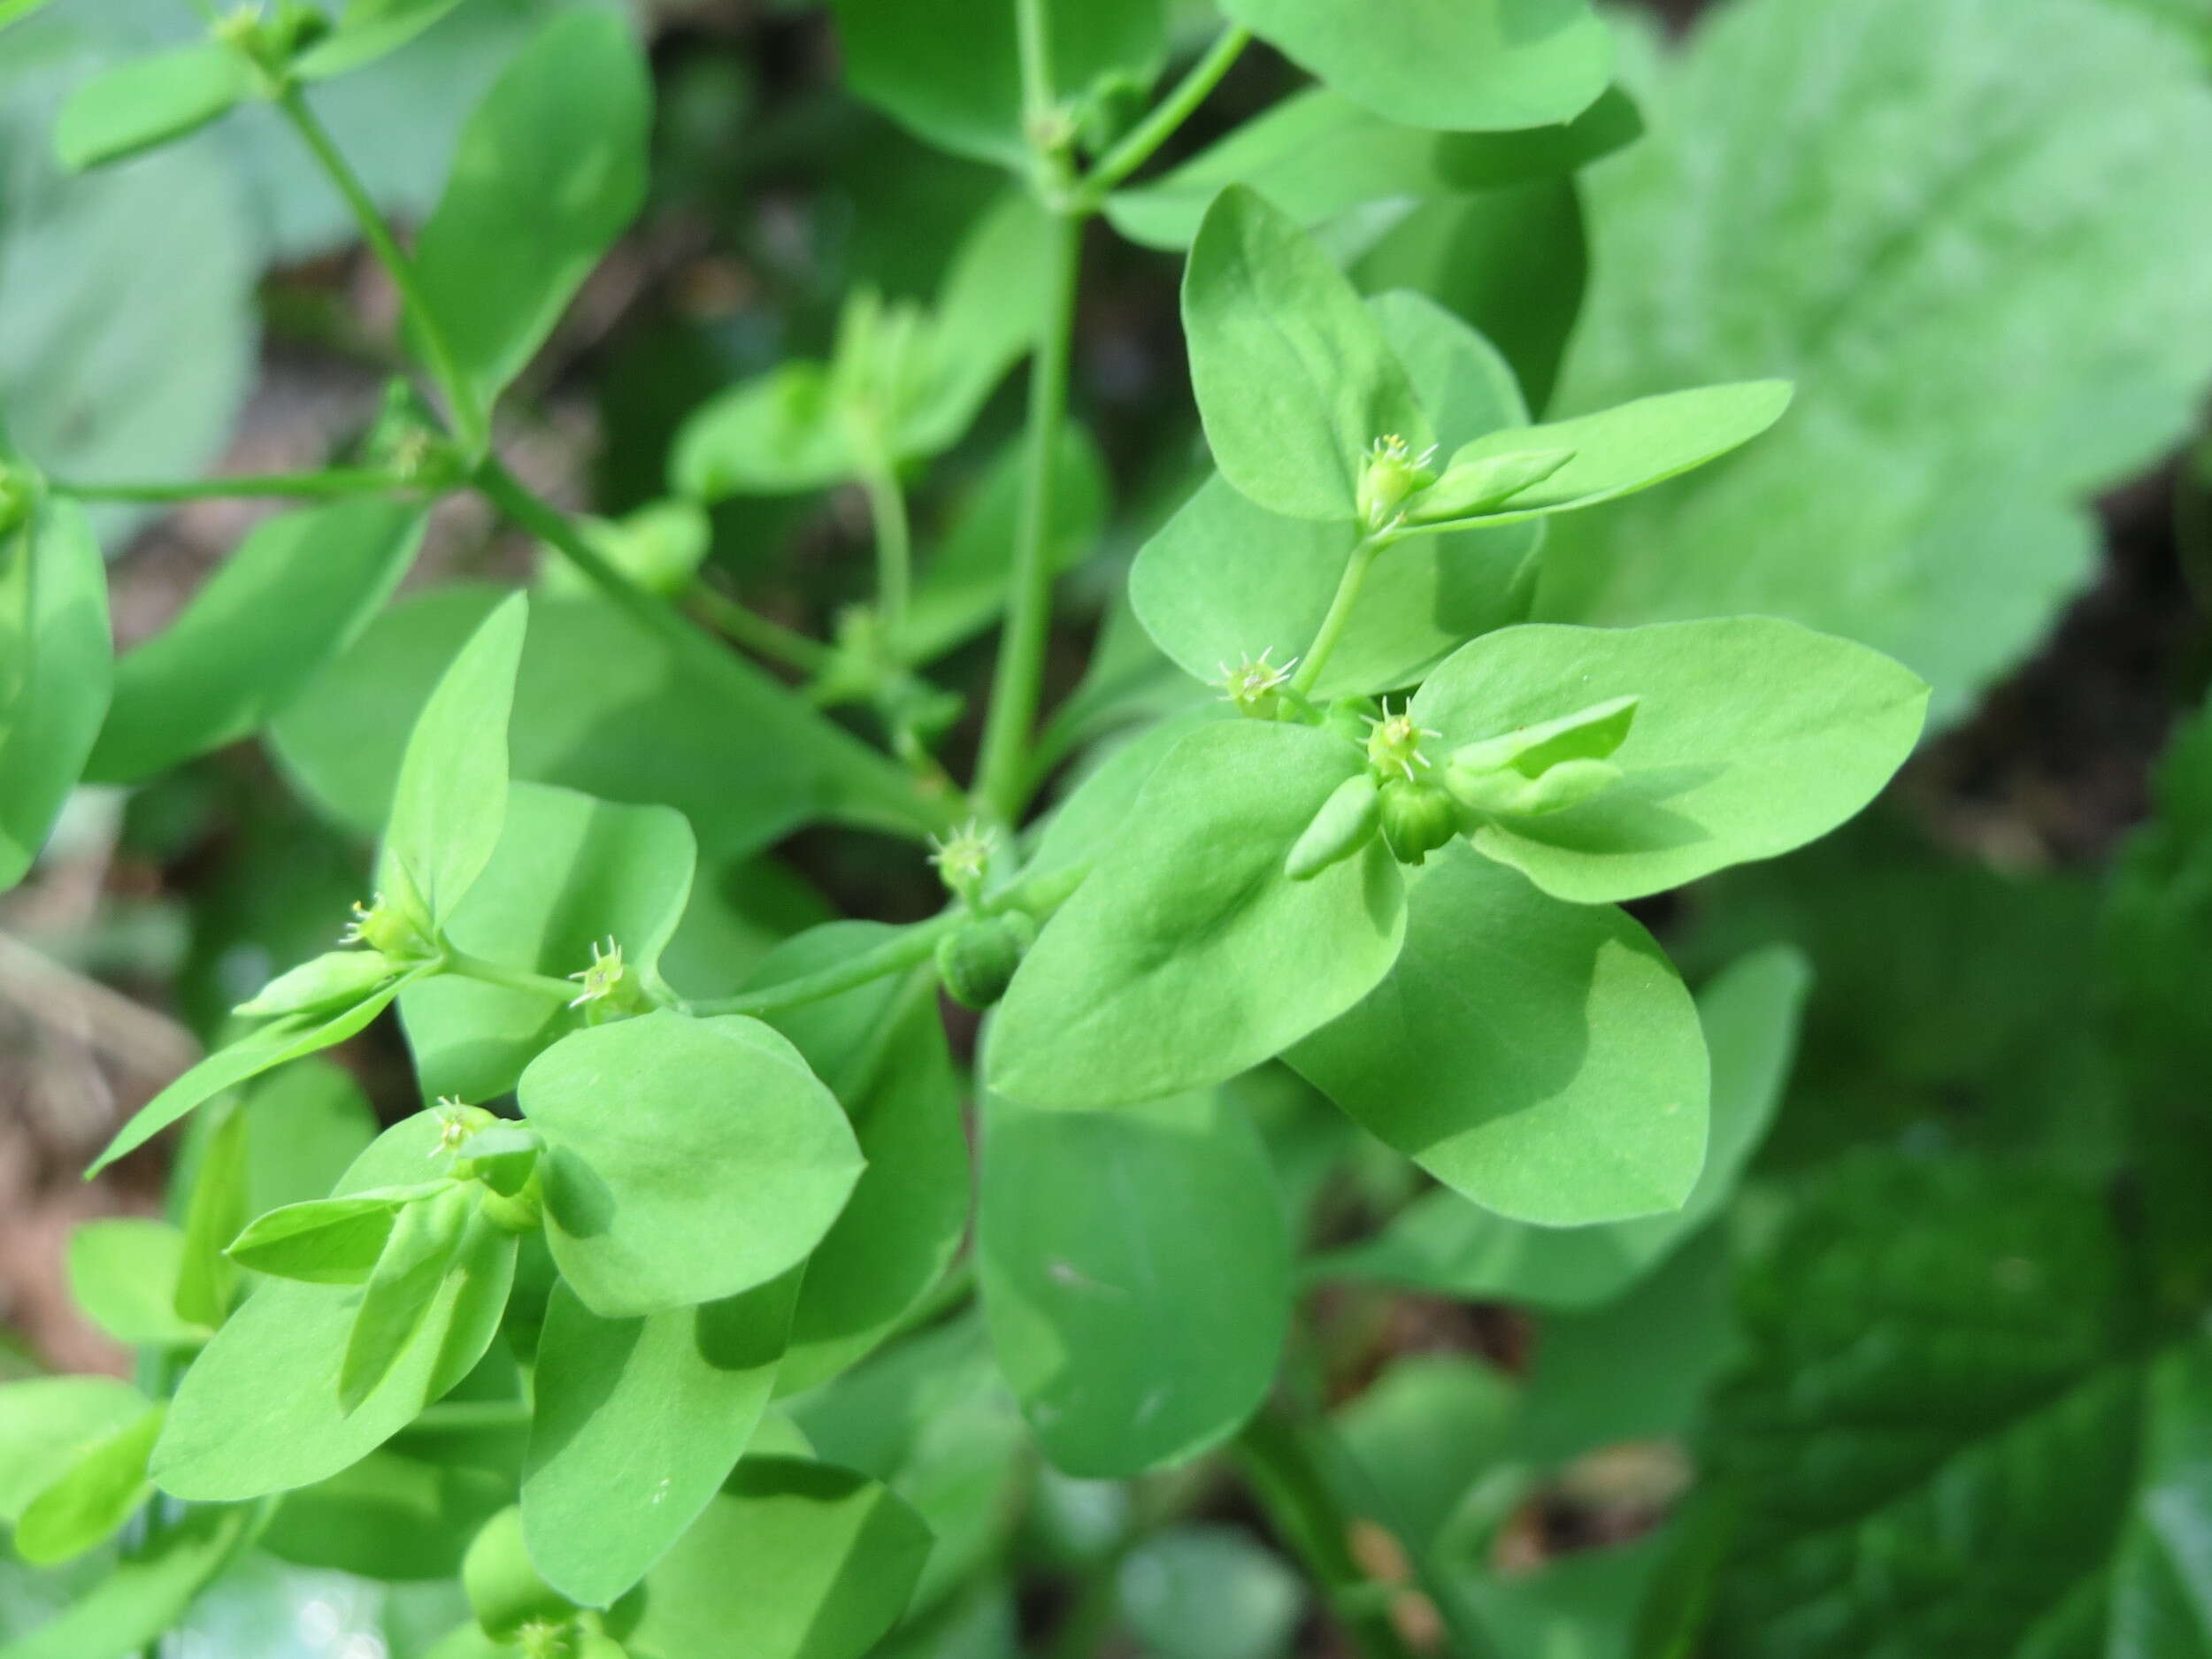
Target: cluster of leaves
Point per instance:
(651, 1327)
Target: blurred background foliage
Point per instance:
(1929, 1383)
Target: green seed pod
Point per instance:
(978, 961)
(1346, 821)
(1418, 818)
(505, 1590)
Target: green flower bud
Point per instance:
(1418, 818)
(337, 978)
(505, 1590)
(977, 963)
(1346, 823)
(1483, 484)
(1393, 473)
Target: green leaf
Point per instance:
(48, 1423)
(1317, 155)
(451, 800)
(123, 1274)
(569, 874)
(365, 31)
(299, 588)
(326, 1240)
(1295, 380)
(791, 1561)
(600, 706)
(1430, 1438)
(272, 1045)
(881, 1050)
(953, 76)
(1617, 451)
(401, 1292)
(549, 170)
(1540, 1057)
(1465, 64)
(1966, 383)
(303, 1126)
(1511, 261)
(145, 1595)
(635, 1425)
(258, 1411)
(213, 1213)
(962, 589)
(1991, 1414)
(1226, 580)
(1200, 1591)
(779, 434)
(1442, 1243)
(336, 978)
(53, 673)
(150, 101)
(89, 1504)
(389, 1516)
(1711, 776)
(1135, 1269)
(644, 1121)
(1188, 955)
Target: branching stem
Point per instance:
(1339, 614)
(1138, 144)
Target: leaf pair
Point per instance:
(904, 383)
(446, 817)
(1192, 955)
(1308, 408)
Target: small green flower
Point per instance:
(606, 980)
(963, 858)
(1394, 745)
(385, 926)
(1255, 685)
(1391, 474)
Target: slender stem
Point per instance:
(1293, 1491)
(462, 963)
(1339, 614)
(1002, 782)
(1138, 144)
(468, 419)
(1032, 29)
(895, 546)
(337, 481)
(909, 947)
(757, 633)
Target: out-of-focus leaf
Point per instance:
(146, 101)
(55, 670)
(144, 1596)
(1920, 213)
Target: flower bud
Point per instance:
(1393, 473)
(977, 963)
(1346, 823)
(1418, 818)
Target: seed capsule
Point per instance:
(977, 963)
(1418, 818)
(1346, 823)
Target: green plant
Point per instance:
(544, 1349)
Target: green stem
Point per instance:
(1339, 614)
(1033, 33)
(1291, 1489)
(468, 419)
(521, 979)
(1139, 143)
(1001, 780)
(909, 947)
(335, 481)
(895, 546)
(757, 633)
